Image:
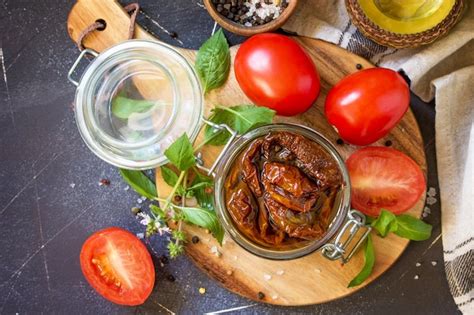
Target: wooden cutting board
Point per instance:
(308, 280)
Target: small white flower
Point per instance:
(145, 218)
(164, 230)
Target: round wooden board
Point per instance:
(308, 280)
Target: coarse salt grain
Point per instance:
(202, 290)
(430, 201)
(140, 235)
(139, 200)
(280, 272)
(267, 277)
(434, 263)
(317, 270)
(143, 198)
(126, 188)
(274, 296)
(431, 192)
(416, 277)
(418, 264)
(72, 185)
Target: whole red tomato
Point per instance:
(275, 72)
(364, 106)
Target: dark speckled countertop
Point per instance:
(50, 200)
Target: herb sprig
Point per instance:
(187, 182)
(403, 225)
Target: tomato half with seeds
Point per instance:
(384, 178)
(118, 266)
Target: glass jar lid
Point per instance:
(134, 100)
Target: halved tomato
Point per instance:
(118, 266)
(384, 178)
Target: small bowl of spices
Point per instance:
(250, 17)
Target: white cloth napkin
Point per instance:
(445, 70)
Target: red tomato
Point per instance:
(118, 266)
(364, 106)
(384, 178)
(274, 71)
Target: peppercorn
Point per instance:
(340, 141)
(195, 239)
(105, 182)
(261, 295)
(177, 198)
(174, 35)
(388, 143)
(164, 259)
(358, 66)
(170, 278)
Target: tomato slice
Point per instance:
(118, 266)
(384, 178)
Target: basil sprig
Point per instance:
(213, 61)
(241, 118)
(403, 225)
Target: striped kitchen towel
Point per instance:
(445, 70)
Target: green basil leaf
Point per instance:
(241, 118)
(412, 228)
(204, 199)
(181, 153)
(204, 218)
(123, 107)
(385, 223)
(140, 183)
(213, 61)
(169, 176)
(369, 257)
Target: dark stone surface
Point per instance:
(44, 220)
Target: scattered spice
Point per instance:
(359, 66)
(229, 272)
(72, 185)
(317, 270)
(177, 198)
(140, 235)
(136, 210)
(274, 296)
(417, 264)
(126, 188)
(195, 239)
(416, 277)
(202, 290)
(261, 295)
(208, 190)
(340, 141)
(431, 200)
(215, 251)
(170, 278)
(434, 263)
(267, 277)
(173, 35)
(388, 143)
(104, 182)
(280, 272)
(163, 259)
(250, 12)
(431, 192)
(139, 200)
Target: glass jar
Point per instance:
(134, 100)
(344, 222)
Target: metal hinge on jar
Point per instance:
(337, 249)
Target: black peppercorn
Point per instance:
(261, 295)
(164, 259)
(340, 141)
(170, 278)
(388, 143)
(358, 66)
(195, 239)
